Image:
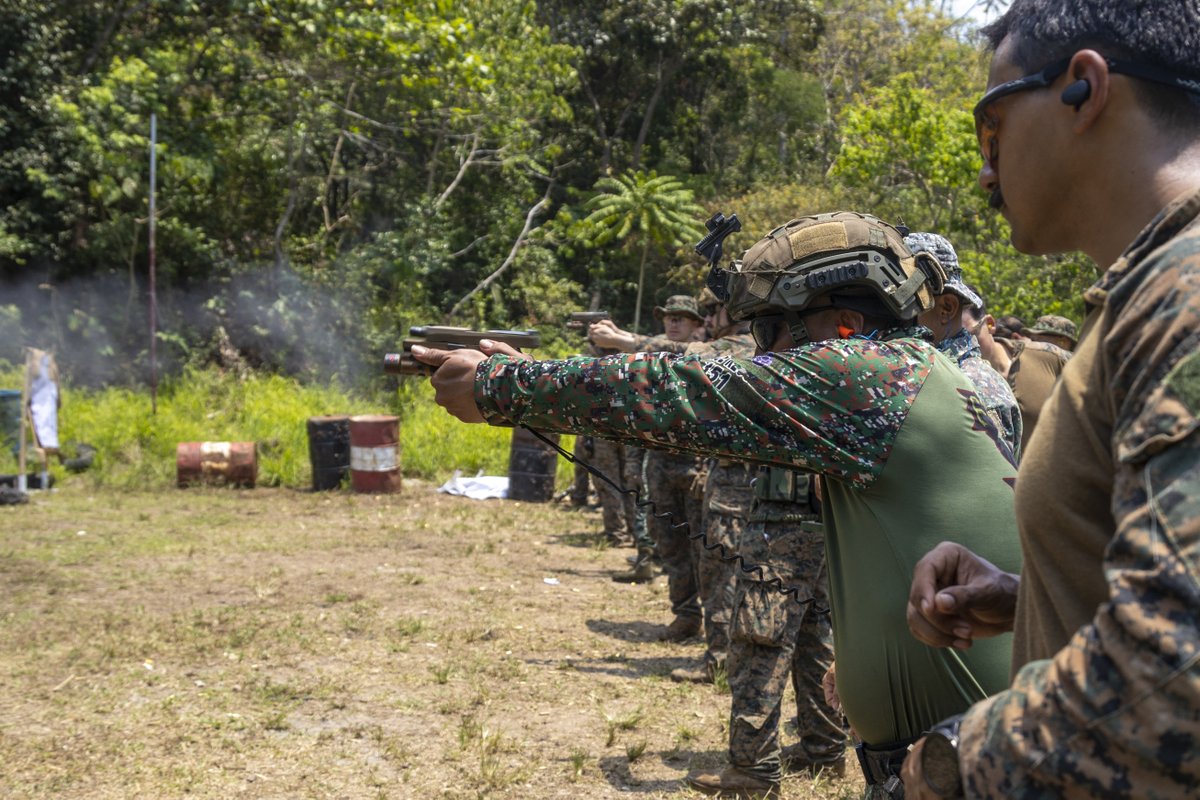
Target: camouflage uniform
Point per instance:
(1107, 699)
(675, 471)
(584, 450)
(634, 475)
(669, 478)
(963, 349)
(773, 634)
(618, 508)
(889, 422)
(726, 507)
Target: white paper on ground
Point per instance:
(481, 487)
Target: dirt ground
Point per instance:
(271, 643)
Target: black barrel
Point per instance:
(531, 467)
(329, 451)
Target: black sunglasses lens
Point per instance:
(765, 331)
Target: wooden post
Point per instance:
(21, 481)
(153, 268)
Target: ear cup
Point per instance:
(1077, 93)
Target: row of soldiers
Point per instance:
(998, 633)
(771, 518)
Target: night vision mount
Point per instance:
(719, 228)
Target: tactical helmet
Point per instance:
(819, 255)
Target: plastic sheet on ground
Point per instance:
(481, 487)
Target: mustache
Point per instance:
(996, 199)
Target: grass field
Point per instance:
(277, 643)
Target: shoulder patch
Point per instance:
(1184, 382)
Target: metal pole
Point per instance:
(153, 292)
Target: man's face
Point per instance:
(1019, 166)
(678, 327)
(945, 318)
(716, 321)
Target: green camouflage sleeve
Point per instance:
(833, 408)
(1116, 713)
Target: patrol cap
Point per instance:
(1055, 325)
(841, 252)
(940, 247)
(682, 304)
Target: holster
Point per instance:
(881, 766)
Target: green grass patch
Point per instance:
(136, 441)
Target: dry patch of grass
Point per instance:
(273, 643)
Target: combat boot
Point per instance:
(705, 673)
(732, 782)
(642, 572)
(618, 539)
(795, 760)
(681, 629)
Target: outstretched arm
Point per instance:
(834, 408)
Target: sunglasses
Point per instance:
(766, 329)
(987, 123)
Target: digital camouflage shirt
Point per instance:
(1107, 699)
(909, 451)
(963, 349)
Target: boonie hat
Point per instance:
(943, 251)
(681, 304)
(1056, 325)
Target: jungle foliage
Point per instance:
(330, 172)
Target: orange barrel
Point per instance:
(232, 463)
(329, 451)
(375, 453)
(531, 467)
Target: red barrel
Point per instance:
(231, 463)
(375, 453)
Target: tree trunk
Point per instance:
(637, 311)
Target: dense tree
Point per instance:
(643, 210)
(332, 171)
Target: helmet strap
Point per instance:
(796, 325)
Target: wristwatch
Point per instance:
(939, 758)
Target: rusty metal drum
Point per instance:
(220, 463)
(375, 453)
(329, 451)
(532, 465)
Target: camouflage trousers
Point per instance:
(634, 475)
(773, 635)
(616, 506)
(669, 479)
(727, 499)
(584, 451)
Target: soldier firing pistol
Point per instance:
(441, 337)
(580, 320)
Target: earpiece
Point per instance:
(845, 332)
(1077, 93)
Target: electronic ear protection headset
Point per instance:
(1077, 93)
